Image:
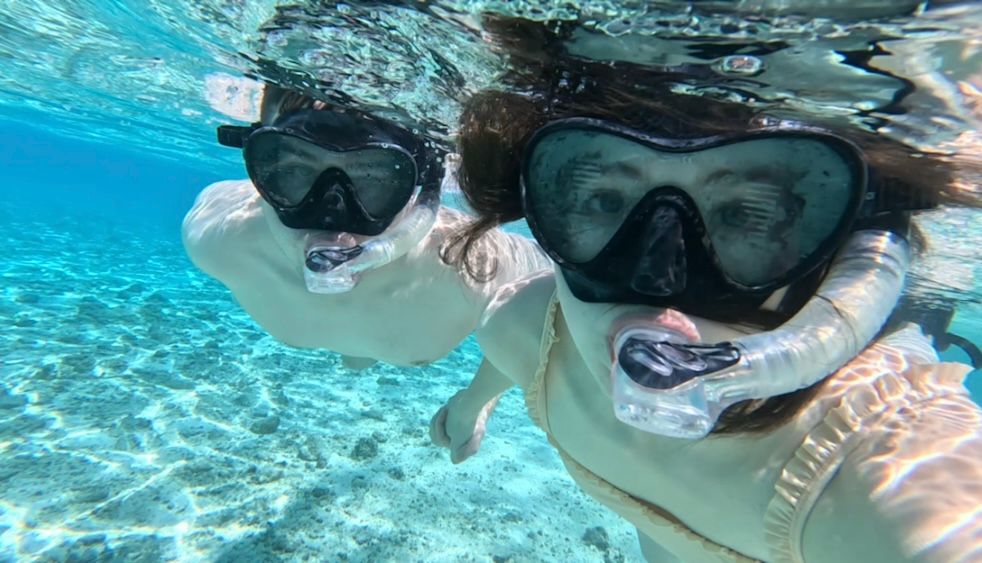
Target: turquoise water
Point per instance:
(145, 417)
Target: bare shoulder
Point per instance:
(226, 216)
(511, 329)
(222, 206)
(498, 256)
(909, 491)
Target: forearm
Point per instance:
(487, 385)
(461, 423)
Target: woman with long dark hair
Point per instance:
(714, 358)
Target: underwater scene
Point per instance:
(155, 408)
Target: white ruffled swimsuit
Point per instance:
(884, 382)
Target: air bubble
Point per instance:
(744, 65)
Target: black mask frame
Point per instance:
(332, 203)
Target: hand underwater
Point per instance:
(460, 428)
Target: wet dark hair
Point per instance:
(492, 136)
(543, 84)
(279, 101)
(496, 125)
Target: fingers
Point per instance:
(460, 448)
(473, 443)
(438, 428)
(469, 448)
(486, 410)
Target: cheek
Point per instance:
(589, 327)
(769, 255)
(592, 328)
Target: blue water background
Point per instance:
(133, 390)
(51, 176)
(131, 384)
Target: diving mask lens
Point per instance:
(286, 168)
(767, 202)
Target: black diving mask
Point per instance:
(709, 225)
(334, 171)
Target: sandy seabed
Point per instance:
(145, 417)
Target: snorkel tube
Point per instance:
(666, 386)
(337, 269)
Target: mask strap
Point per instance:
(800, 292)
(235, 136)
(948, 339)
(935, 321)
(892, 195)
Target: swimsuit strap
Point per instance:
(535, 395)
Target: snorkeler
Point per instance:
(708, 359)
(337, 241)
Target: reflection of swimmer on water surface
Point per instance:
(339, 248)
(710, 358)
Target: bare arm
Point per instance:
(461, 423)
(488, 384)
(509, 337)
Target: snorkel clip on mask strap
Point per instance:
(235, 136)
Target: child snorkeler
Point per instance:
(708, 359)
(336, 241)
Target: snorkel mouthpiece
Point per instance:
(325, 259)
(664, 385)
(321, 267)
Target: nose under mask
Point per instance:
(332, 204)
(659, 257)
(333, 201)
(329, 193)
(661, 269)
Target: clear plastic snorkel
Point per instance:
(336, 268)
(664, 385)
